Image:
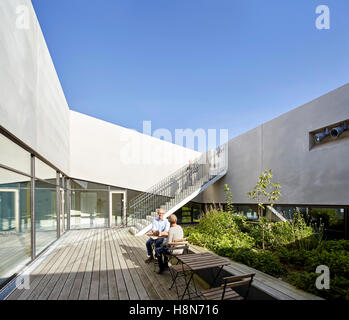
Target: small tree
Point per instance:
(228, 198)
(265, 191)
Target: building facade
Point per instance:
(62, 170)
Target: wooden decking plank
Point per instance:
(64, 294)
(155, 292)
(59, 278)
(67, 272)
(112, 285)
(120, 280)
(39, 273)
(161, 286)
(277, 284)
(131, 289)
(140, 254)
(127, 243)
(162, 280)
(75, 290)
(132, 267)
(34, 294)
(47, 288)
(94, 288)
(103, 275)
(86, 282)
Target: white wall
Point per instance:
(113, 155)
(32, 103)
(317, 176)
(34, 110)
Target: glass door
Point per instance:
(117, 208)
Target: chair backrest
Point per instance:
(238, 281)
(179, 244)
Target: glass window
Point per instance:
(45, 172)
(197, 212)
(186, 215)
(13, 156)
(89, 209)
(249, 212)
(15, 223)
(84, 185)
(332, 219)
(45, 214)
(289, 212)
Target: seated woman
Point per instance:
(175, 233)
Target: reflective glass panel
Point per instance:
(45, 214)
(89, 209)
(15, 223)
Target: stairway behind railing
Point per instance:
(179, 185)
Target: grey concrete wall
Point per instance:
(32, 103)
(317, 176)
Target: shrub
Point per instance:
(280, 234)
(339, 286)
(293, 257)
(264, 261)
(338, 262)
(291, 250)
(335, 245)
(218, 230)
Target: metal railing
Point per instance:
(173, 189)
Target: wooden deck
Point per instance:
(98, 264)
(108, 264)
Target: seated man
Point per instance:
(175, 233)
(160, 229)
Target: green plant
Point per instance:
(264, 261)
(265, 191)
(290, 250)
(327, 216)
(228, 198)
(220, 231)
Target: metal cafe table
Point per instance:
(201, 261)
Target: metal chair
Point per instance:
(177, 270)
(225, 291)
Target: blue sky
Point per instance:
(221, 64)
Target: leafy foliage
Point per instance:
(228, 198)
(265, 190)
(291, 250)
(219, 229)
(295, 235)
